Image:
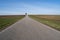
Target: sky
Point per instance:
(18, 7)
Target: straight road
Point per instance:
(29, 29)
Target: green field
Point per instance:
(50, 20)
(7, 20)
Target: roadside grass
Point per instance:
(6, 21)
(50, 22)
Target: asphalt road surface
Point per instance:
(29, 29)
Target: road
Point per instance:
(29, 29)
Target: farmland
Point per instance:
(50, 20)
(8, 20)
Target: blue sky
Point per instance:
(17, 7)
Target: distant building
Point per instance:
(25, 14)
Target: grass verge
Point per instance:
(52, 23)
(6, 21)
